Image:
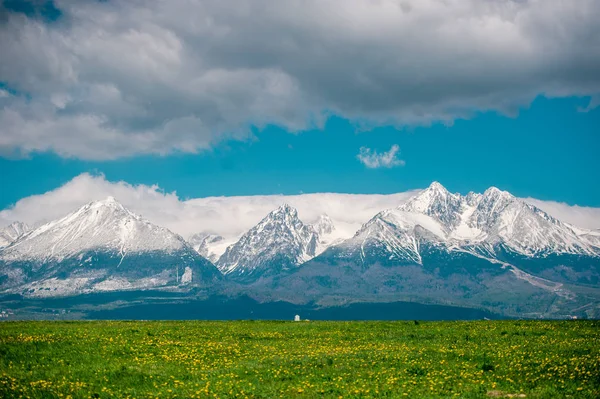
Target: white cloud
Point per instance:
(112, 79)
(227, 216)
(372, 159)
(593, 104)
(580, 216)
(232, 216)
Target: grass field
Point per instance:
(533, 359)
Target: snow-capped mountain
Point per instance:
(524, 229)
(279, 242)
(492, 219)
(324, 225)
(207, 245)
(394, 236)
(100, 247)
(488, 224)
(489, 250)
(475, 250)
(12, 232)
(439, 204)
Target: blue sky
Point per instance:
(207, 100)
(549, 151)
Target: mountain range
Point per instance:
(489, 251)
(100, 247)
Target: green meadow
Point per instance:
(262, 359)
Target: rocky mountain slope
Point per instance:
(279, 242)
(488, 249)
(205, 244)
(12, 232)
(100, 247)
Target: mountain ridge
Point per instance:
(100, 246)
(493, 245)
(12, 232)
(490, 250)
(280, 241)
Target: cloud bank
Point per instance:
(226, 216)
(232, 216)
(110, 79)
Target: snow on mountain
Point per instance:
(591, 236)
(489, 250)
(101, 246)
(487, 223)
(394, 234)
(327, 233)
(324, 225)
(524, 228)
(438, 203)
(12, 232)
(280, 241)
(481, 224)
(211, 246)
(103, 225)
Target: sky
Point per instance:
(193, 99)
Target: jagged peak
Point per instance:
(472, 198)
(435, 189)
(433, 194)
(437, 186)
(284, 209)
(17, 226)
(109, 204)
(324, 218)
(108, 201)
(324, 224)
(495, 192)
(12, 232)
(205, 235)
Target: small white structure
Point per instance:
(297, 318)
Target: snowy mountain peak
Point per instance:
(100, 225)
(100, 247)
(12, 232)
(283, 211)
(495, 192)
(494, 220)
(491, 206)
(438, 203)
(324, 225)
(438, 187)
(15, 229)
(108, 202)
(433, 195)
(279, 241)
(205, 243)
(472, 199)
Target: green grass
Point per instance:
(538, 359)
